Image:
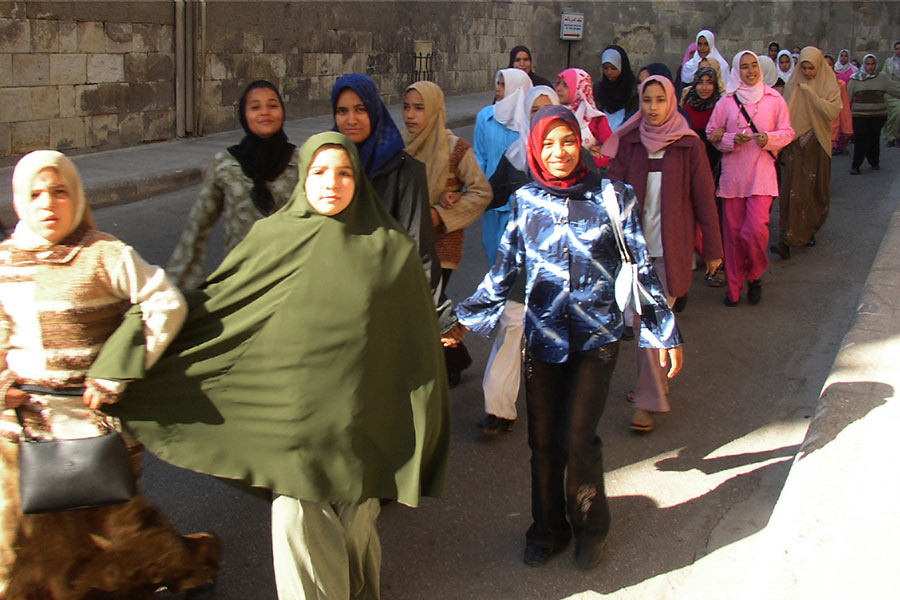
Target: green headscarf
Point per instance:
(310, 363)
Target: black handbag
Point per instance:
(60, 475)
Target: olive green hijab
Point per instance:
(310, 363)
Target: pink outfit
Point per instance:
(748, 182)
(747, 170)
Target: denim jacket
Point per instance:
(569, 256)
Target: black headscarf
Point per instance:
(535, 78)
(658, 68)
(694, 99)
(261, 159)
(613, 96)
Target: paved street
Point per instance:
(707, 477)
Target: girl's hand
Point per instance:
(762, 139)
(15, 397)
(672, 357)
(716, 136)
(452, 338)
(448, 199)
(741, 138)
(94, 396)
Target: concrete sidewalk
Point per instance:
(139, 172)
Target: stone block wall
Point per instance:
(101, 74)
(88, 76)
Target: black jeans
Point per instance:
(565, 402)
(867, 140)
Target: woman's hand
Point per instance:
(448, 199)
(452, 338)
(717, 135)
(15, 397)
(673, 358)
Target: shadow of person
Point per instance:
(687, 460)
(840, 405)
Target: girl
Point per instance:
(785, 66)
(616, 92)
(573, 86)
(868, 91)
(559, 237)
(706, 48)
(814, 101)
(844, 69)
(520, 58)
(458, 190)
(664, 160)
(251, 180)
(748, 181)
(65, 288)
(308, 373)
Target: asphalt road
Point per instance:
(708, 476)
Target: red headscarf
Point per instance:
(654, 137)
(579, 179)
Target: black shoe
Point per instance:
(589, 554)
(453, 378)
(781, 249)
(811, 242)
(627, 333)
(854, 171)
(754, 291)
(729, 302)
(494, 424)
(680, 303)
(876, 168)
(537, 555)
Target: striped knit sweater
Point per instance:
(867, 97)
(58, 307)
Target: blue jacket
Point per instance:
(569, 256)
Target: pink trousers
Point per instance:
(746, 237)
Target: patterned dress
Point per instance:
(57, 308)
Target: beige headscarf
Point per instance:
(23, 180)
(431, 144)
(815, 107)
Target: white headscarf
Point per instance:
(747, 94)
(24, 175)
(510, 111)
(611, 56)
(517, 153)
(769, 72)
(840, 67)
(689, 69)
(862, 74)
(784, 75)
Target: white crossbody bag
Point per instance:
(628, 288)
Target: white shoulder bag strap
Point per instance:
(628, 287)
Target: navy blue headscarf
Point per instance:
(384, 141)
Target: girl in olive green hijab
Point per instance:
(309, 369)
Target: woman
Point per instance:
(706, 48)
(250, 181)
(658, 153)
(458, 190)
(814, 100)
(572, 329)
(573, 86)
(503, 370)
(892, 126)
(400, 181)
(868, 90)
(308, 372)
(842, 127)
(785, 65)
(65, 288)
(616, 92)
(520, 58)
(748, 181)
(845, 69)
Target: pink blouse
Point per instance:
(747, 169)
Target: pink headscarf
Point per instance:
(654, 137)
(736, 86)
(581, 100)
(690, 52)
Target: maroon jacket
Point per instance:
(688, 197)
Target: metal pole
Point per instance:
(179, 68)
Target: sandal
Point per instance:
(717, 279)
(641, 426)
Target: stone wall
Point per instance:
(80, 75)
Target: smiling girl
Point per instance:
(559, 237)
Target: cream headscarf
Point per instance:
(818, 103)
(690, 67)
(510, 111)
(24, 175)
(431, 144)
